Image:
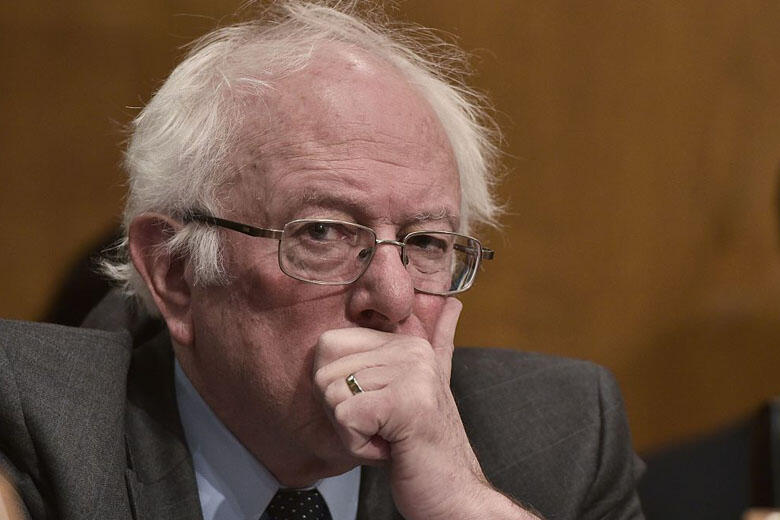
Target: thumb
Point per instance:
(443, 336)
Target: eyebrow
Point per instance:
(442, 214)
(354, 206)
(328, 200)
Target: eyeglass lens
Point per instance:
(339, 252)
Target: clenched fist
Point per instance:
(406, 417)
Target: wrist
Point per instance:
(495, 505)
(484, 501)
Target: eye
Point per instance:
(318, 230)
(430, 243)
(329, 232)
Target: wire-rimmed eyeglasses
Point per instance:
(336, 252)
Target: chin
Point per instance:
(333, 457)
(328, 461)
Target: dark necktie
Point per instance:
(294, 504)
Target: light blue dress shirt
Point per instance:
(232, 484)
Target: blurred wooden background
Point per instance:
(643, 150)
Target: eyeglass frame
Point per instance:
(483, 253)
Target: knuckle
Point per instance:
(383, 406)
(333, 393)
(329, 348)
(342, 414)
(321, 379)
(423, 388)
(327, 337)
(326, 345)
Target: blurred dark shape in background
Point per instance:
(82, 286)
(719, 476)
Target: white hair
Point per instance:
(177, 156)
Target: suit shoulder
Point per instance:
(553, 397)
(46, 363)
(535, 418)
(511, 371)
(52, 376)
(20, 339)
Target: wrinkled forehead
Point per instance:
(342, 107)
(345, 88)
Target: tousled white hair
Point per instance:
(177, 156)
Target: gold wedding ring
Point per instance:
(353, 385)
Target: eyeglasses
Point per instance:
(334, 252)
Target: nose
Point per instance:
(384, 296)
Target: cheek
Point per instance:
(283, 303)
(262, 338)
(282, 316)
(258, 285)
(268, 315)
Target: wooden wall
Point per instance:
(643, 156)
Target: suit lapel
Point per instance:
(160, 476)
(375, 501)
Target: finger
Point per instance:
(369, 379)
(338, 343)
(336, 371)
(357, 421)
(398, 351)
(443, 337)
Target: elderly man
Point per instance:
(302, 189)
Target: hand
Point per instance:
(406, 415)
(9, 501)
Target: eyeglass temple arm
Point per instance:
(487, 254)
(235, 226)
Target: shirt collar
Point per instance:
(232, 484)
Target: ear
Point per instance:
(166, 276)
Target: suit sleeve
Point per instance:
(613, 493)
(17, 452)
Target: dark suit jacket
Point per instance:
(89, 428)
